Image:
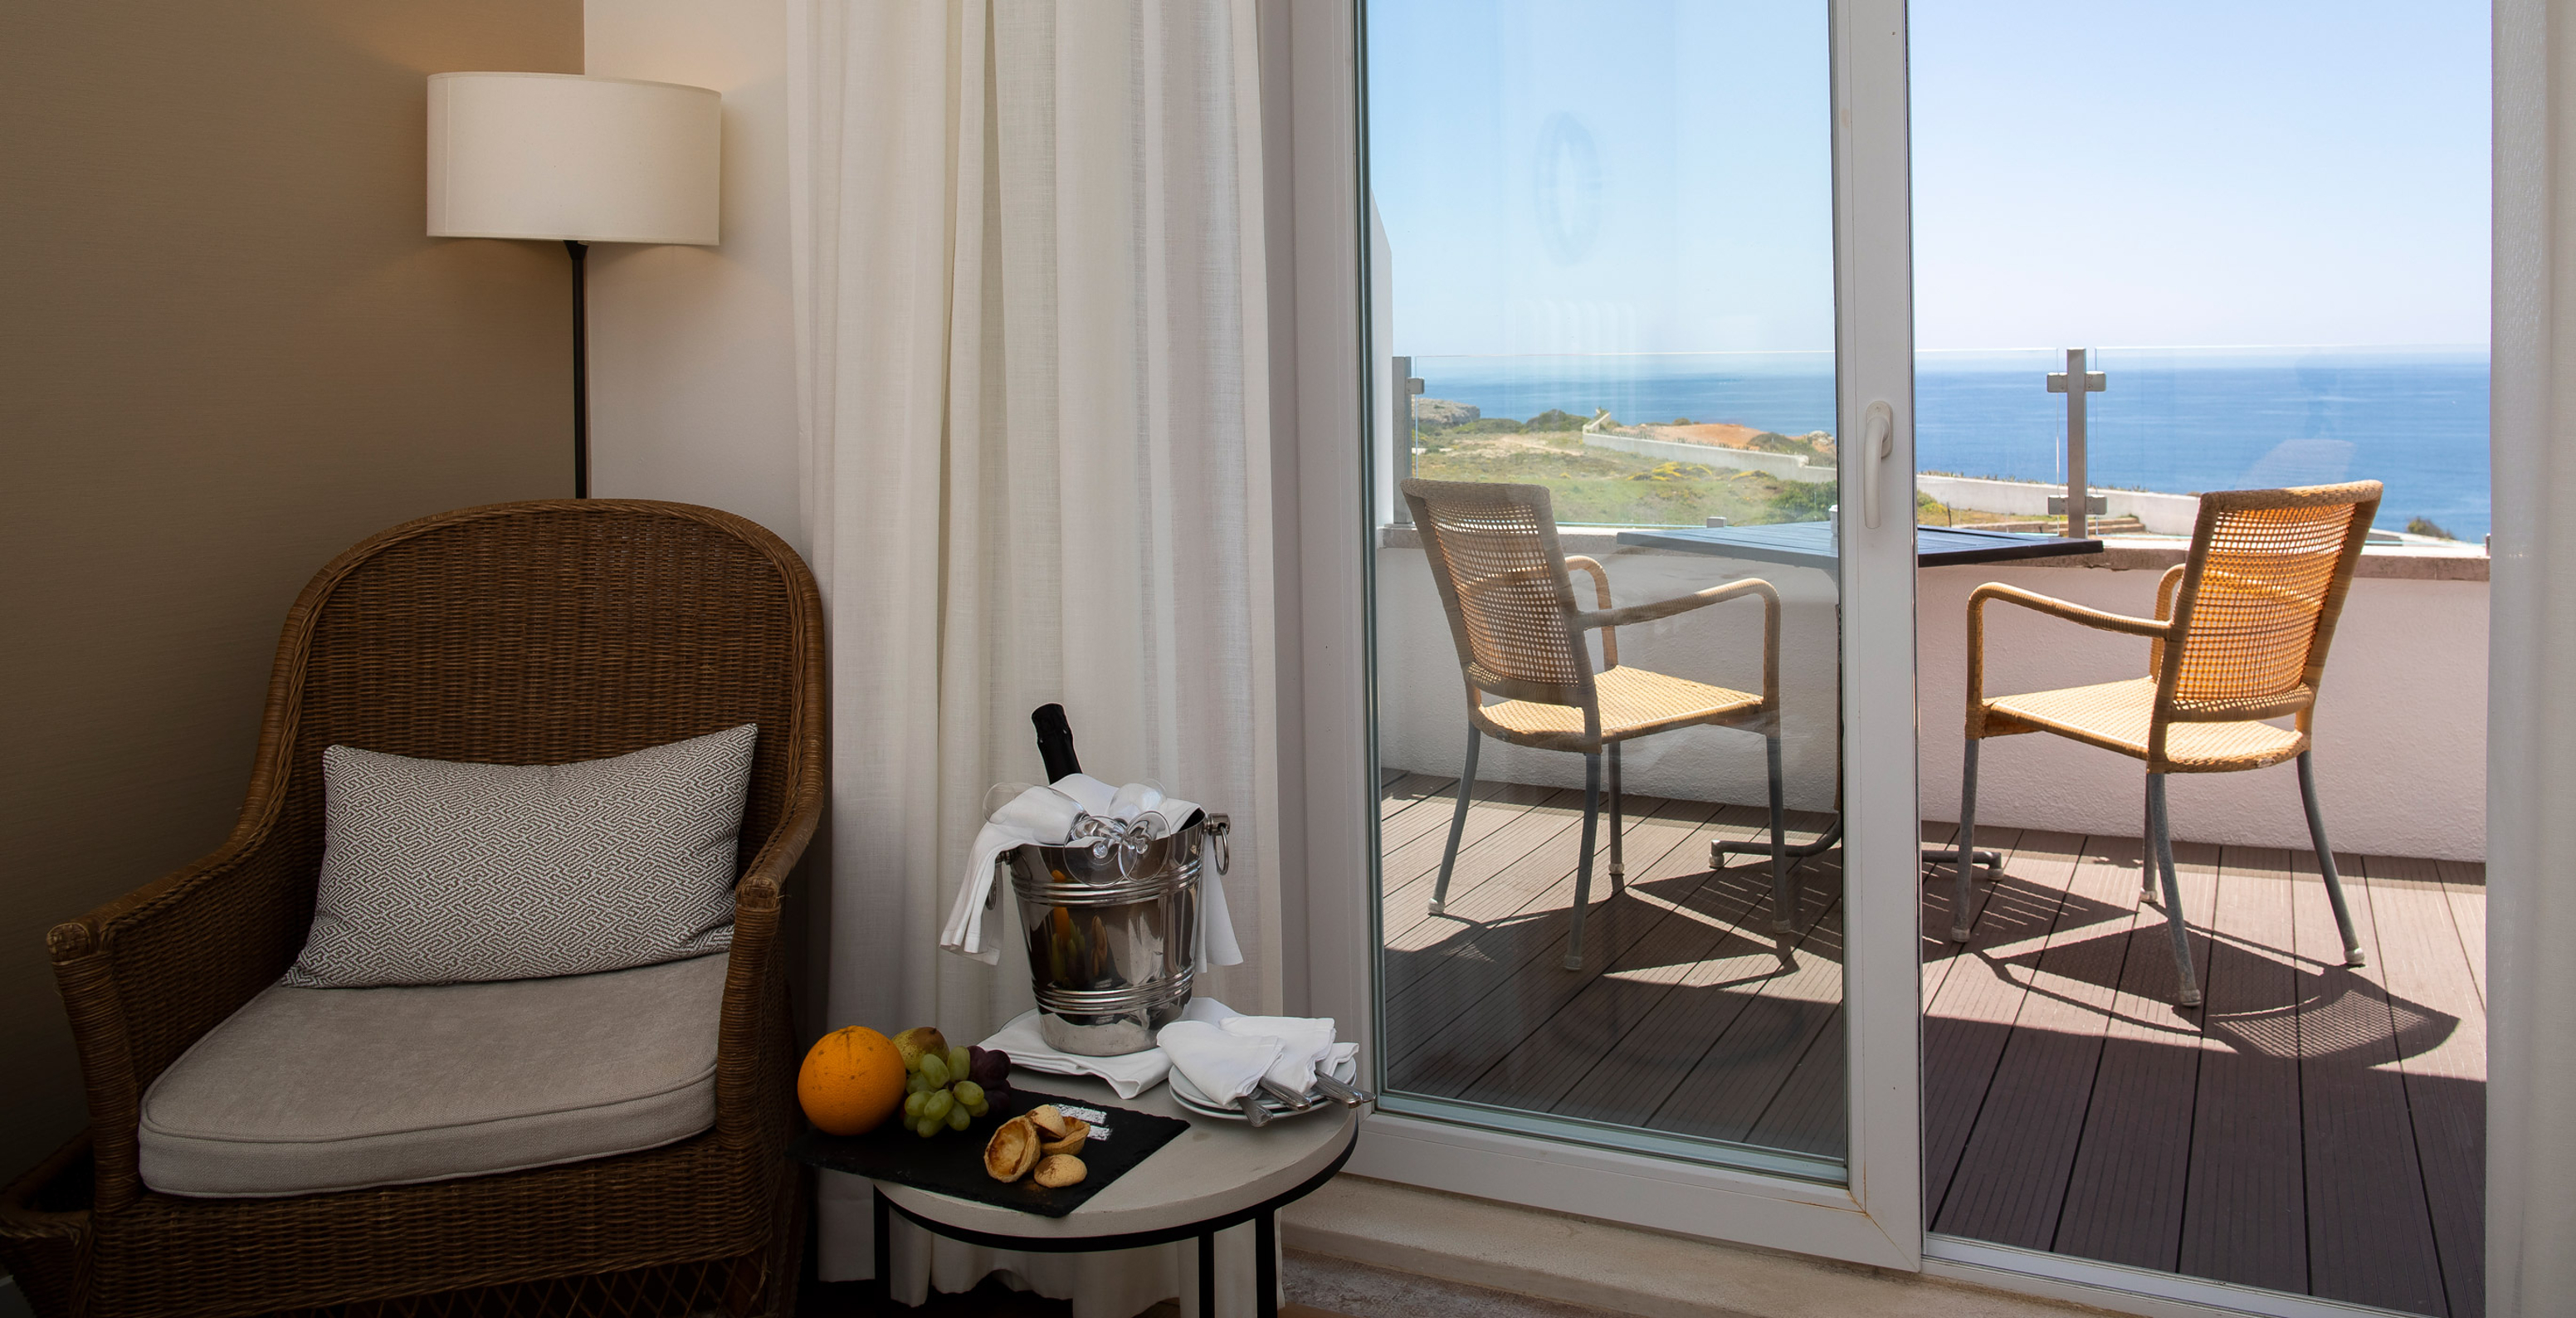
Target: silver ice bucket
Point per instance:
(1111, 948)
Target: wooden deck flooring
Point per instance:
(2312, 1129)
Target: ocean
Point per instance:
(2182, 420)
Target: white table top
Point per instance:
(1212, 1169)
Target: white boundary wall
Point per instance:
(1786, 466)
(2400, 736)
(2163, 514)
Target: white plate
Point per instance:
(1189, 1096)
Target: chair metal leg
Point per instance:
(2162, 837)
(2148, 869)
(1967, 844)
(2326, 864)
(1457, 824)
(1583, 873)
(1618, 858)
(1784, 888)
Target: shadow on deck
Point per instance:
(2312, 1128)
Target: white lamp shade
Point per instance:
(553, 155)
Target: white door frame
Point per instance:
(1876, 1218)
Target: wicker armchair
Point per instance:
(1506, 586)
(518, 633)
(2239, 637)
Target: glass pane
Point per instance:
(1606, 278)
(2263, 229)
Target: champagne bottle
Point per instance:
(1055, 742)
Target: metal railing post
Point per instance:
(1401, 430)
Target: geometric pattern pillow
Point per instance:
(435, 872)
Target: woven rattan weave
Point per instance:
(2240, 636)
(1508, 588)
(528, 633)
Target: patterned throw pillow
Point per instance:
(442, 873)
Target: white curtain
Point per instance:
(1033, 376)
(2531, 722)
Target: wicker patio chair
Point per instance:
(524, 633)
(2239, 637)
(1506, 586)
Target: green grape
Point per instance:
(916, 1083)
(959, 1118)
(926, 1127)
(938, 1106)
(957, 1062)
(934, 1069)
(978, 1109)
(913, 1103)
(968, 1092)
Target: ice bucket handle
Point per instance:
(1218, 828)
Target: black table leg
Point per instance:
(1265, 1265)
(1207, 1274)
(885, 1250)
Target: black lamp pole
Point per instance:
(580, 369)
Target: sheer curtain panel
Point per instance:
(1030, 325)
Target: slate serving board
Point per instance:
(952, 1163)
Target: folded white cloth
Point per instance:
(1223, 1066)
(1134, 1073)
(1305, 1042)
(1042, 815)
(1130, 1075)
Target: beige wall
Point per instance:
(692, 358)
(226, 353)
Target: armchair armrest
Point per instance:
(147, 975)
(2153, 628)
(754, 1050)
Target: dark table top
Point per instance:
(1811, 544)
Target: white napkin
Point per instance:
(1225, 1067)
(1130, 1075)
(1041, 815)
(1305, 1042)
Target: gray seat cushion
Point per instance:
(310, 1090)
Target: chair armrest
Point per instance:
(2152, 628)
(1750, 586)
(1601, 592)
(753, 1041)
(1699, 599)
(2166, 585)
(148, 974)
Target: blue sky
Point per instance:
(1653, 175)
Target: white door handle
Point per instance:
(1877, 441)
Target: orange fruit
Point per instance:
(852, 1080)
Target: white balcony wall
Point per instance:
(2400, 732)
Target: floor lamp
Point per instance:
(582, 160)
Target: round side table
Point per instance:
(1218, 1175)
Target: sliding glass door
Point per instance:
(1640, 538)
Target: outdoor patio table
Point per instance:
(1811, 544)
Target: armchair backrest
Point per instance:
(1503, 582)
(547, 632)
(2259, 599)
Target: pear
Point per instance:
(915, 1042)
